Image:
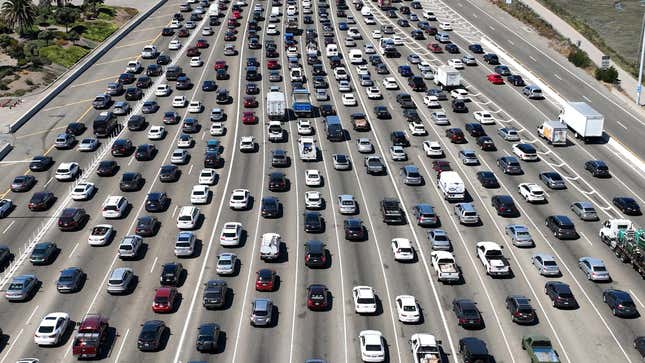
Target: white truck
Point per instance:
(296, 75)
(585, 122)
(270, 246)
(451, 185)
(307, 148)
(554, 132)
(445, 267)
(610, 228)
(276, 105)
(447, 77)
(276, 133)
(490, 255)
(425, 348)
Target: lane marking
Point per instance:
(585, 238)
(67, 104)
(586, 98)
(621, 124)
(533, 59)
(556, 76)
(71, 254)
(190, 170)
(154, 263)
(9, 226)
(31, 315)
(13, 343)
(114, 77)
(125, 339)
(636, 298)
(510, 42)
(49, 181)
(135, 43)
(117, 60)
(174, 211)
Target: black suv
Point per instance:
(157, 202)
(278, 182)
(398, 138)
(169, 173)
(520, 309)
(171, 274)
(208, 336)
(315, 254)
(504, 205)
(597, 168)
(313, 222)
(391, 211)
(270, 207)
(122, 147)
(473, 350)
(561, 226)
(560, 295)
(354, 229)
(405, 100)
(136, 123)
(72, 219)
(215, 294)
(131, 182)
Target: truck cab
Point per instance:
(91, 336)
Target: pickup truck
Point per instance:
(490, 255)
(391, 211)
(425, 348)
(374, 165)
(539, 349)
(445, 267)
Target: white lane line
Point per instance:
(491, 28)
(586, 98)
(154, 263)
(48, 181)
(474, 16)
(203, 135)
(621, 124)
(190, 170)
(174, 211)
(533, 59)
(510, 42)
(13, 343)
(71, 254)
(123, 340)
(130, 161)
(636, 298)
(9, 226)
(556, 76)
(586, 239)
(31, 315)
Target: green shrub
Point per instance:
(66, 57)
(579, 58)
(609, 75)
(97, 31)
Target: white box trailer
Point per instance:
(447, 77)
(582, 119)
(276, 105)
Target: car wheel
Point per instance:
(553, 303)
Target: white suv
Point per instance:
(114, 206)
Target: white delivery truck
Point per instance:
(276, 105)
(447, 77)
(585, 122)
(307, 148)
(451, 185)
(554, 132)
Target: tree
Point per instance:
(73, 36)
(67, 16)
(45, 35)
(19, 13)
(92, 4)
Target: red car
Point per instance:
(273, 64)
(220, 64)
(164, 301)
(441, 165)
(317, 297)
(237, 14)
(183, 33)
(201, 43)
(495, 79)
(455, 135)
(265, 280)
(435, 48)
(193, 52)
(248, 118)
(250, 101)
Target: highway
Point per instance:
(589, 333)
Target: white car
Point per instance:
(114, 206)
(291, 10)
(101, 235)
(424, 66)
(390, 83)
(427, 75)
(484, 117)
(179, 101)
(349, 99)
(187, 217)
(362, 69)
(88, 144)
(402, 249)
(175, 24)
(231, 233)
(292, 51)
(149, 52)
(185, 141)
(444, 25)
(247, 144)
(372, 346)
(207, 176)
(407, 309)
(51, 329)
(369, 20)
(364, 299)
(196, 62)
(459, 94)
(364, 145)
(456, 63)
(369, 49)
(313, 178)
(207, 31)
(239, 199)
(162, 90)
(226, 263)
(217, 129)
(174, 44)
(340, 73)
(67, 171)
(347, 204)
(195, 107)
(376, 34)
(83, 191)
(272, 29)
(313, 199)
(156, 132)
(373, 93)
(199, 194)
(417, 128)
(305, 127)
(179, 156)
(431, 101)
(344, 86)
(532, 192)
(397, 40)
(133, 67)
(525, 152)
(397, 153)
(432, 148)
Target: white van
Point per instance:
(275, 15)
(213, 10)
(355, 56)
(332, 50)
(451, 185)
(366, 11)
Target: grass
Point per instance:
(97, 31)
(66, 57)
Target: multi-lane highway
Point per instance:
(587, 333)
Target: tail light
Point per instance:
(462, 320)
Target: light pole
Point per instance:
(639, 86)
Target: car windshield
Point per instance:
(549, 263)
(409, 308)
(16, 286)
(161, 300)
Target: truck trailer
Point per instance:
(585, 122)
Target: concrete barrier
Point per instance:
(5, 147)
(95, 55)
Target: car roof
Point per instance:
(544, 256)
(262, 304)
(596, 262)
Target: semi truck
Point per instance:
(627, 243)
(307, 148)
(276, 105)
(554, 132)
(585, 122)
(301, 103)
(447, 77)
(539, 349)
(425, 348)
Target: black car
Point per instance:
(40, 163)
(41, 201)
(107, 168)
(222, 96)
(459, 106)
(516, 80)
(171, 274)
(491, 59)
(452, 48)
(504, 205)
(215, 294)
(476, 48)
(510, 165)
(131, 182)
(171, 118)
(152, 332)
(207, 337)
(320, 82)
(473, 350)
(560, 295)
(147, 226)
(136, 123)
(270, 207)
(313, 222)
(627, 205)
(122, 147)
(405, 100)
(487, 179)
(126, 78)
(43, 253)
(252, 89)
(157, 202)
(327, 110)
(23, 183)
(190, 126)
(70, 280)
(382, 113)
(163, 59)
(417, 84)
(169, 173)
(398, 138)
(209, 85)
(145, 152)
(468, 316)
(278, 182)
(154, 70)
(72, 219)
(354, 229)
(486, 143)
(520, 309)
(166, 32)
(75, 128)
(183, 83)
(597, 168)
(142, 82)
(475, 129)
(315, 254)
(211, 159)
(561, 226)
(620, 303)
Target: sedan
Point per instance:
(552, 179)
(519, 235)
(560, 294)
(23, 183)
(52, 329)
(495, 78)
(620, 303)
(627, 205)
(484, 117)
(407, 309)
(372, 346)
(43, 253)
(156, 133)
(545, 264)
(584, 210)
(468, 316)
(41, 201)
(341, 162)
(147, 226)
(70, 279)
(88, 144)
(266, 280)
(152, 332)
(149, 107)
(169, 173)
(317, 297)
(83, 191)
(594, 269)
(226, 263)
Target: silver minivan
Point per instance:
(442, 37)
(466, 213)
(120, 280)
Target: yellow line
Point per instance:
(131, 44)
(39, 132)
(69, 104)
(94, 81)
(150, 28)
(85, 113)
(114, 61)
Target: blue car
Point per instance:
(343, 26)
(209, 85)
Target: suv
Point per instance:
(315, 254)
(391, 211)
(261, 312)
(410, 175)
(504, 205)
(561, 226)
(72, 219)
(473, 350)
(466, 213)
(425, 215)
(521, 310)
(509, 165)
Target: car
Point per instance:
(467, 313)
(364, 299)
(179, 156)
(67, 171)
(226, 263)
(439, 118)
(504, 206)
(72, 219)
(354, 229)
(187, 218)
(455, 135)
(249, 118)
(135, 93)
(101, 235)
(553, 180)
(402, 249)
(452, 48)
(486, 143)
(21, 287)
(407, 309)
(390, 83)
(121, 108)
(266, 280)
(532, 92)
(382, 113)
(185, 141)
(417, 129)
(373, 93)
(525, 152)
(207, 30)
(561, 226)
(305, 127)
(162, 90)
(315, 254)
(490, 58)
(277, 182)
(120, 280)
(131, 182)
(341, 162)
(217, 129)
(594, 269)
(145, 152)
(194, 107)
(435, 48)
(207, 176)
(560, 294)
(459, 94)
(43, 253)
(239, 199)
(584, 210)
(313, 178)
(439, 240)
(83, 191)
(519, 235)
(468, 157)
(313, 222)
(431, 101)
(179, 101)
(597, 168)
(6, 206)
(397, 153)
(456, 63)
(151, 335)
(516, 80)
(372, 346)
(475, 129)
(620, 303)
(71, 279)
(508, 134)
(185, 243)
(545, 264)
(199, 194)
(509, 165)
(169, 173)
(209, 85)
(64, 141)
(520, 309)
(262, 312)
(627, 205)
(231, 234)
(52, 329)
(216, 294)
(349, 99)
(432, 148)
(40, 163)
(208, 337)
(23, 183)
(532, 192)
(41, 201)
(247, 144)
(147, 226)
(364, 145)
(88, 144)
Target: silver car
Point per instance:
(584, 210)
(364, 145)
(226, 263)
(346, 204)
(594, 269)
(519, 235)
(120, 280)
(397, 153)
(21, 287)
(439, 118)
(341, 162)
(129, 246)
(468, 157)
(261, 312)
(439, 240)
(545, 264)
(185, 244)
